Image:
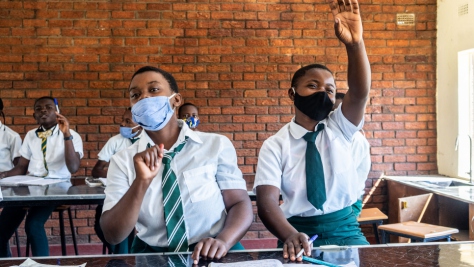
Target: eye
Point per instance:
(154, 89)
(133, 95)
(312, 85)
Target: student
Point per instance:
(203, 205)
(130, 132)
(10, 143)
(53, 150)
(310, 160)
(189, 114)
(361, 156)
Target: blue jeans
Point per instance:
(11, 218)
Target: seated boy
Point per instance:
(51, 151)
(10, 143)
(310, 160)
(189, 114)
(181, 189)
(130, 132)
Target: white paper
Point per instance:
(25, 180)
(103, 181)
(31, 263)
(257, 263)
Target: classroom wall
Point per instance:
(234, 59)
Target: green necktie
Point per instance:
(315, 185)
(133, 140)
(173, 206)
(44, 140)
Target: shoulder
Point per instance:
(279, 137)
(75, 134)
(116, 138)
(11, 133)
(214, 139)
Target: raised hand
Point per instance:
(148, 162)
(347, 21)
(63, 124)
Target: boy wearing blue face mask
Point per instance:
(310, 160)
(189, 114)
(181, 189)
(130, 132)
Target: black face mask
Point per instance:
(316, 106)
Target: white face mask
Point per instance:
(153, 113)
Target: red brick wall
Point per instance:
(234, 59)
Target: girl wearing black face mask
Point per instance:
(310, 160)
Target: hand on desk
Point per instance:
(293, 245)
(211, 248)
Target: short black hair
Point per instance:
(302, 71)
(185, 104)
(340, 95)
(166, 75)
(43, 97)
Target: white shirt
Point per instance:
(114, 144)
(10, 143)
(55, 159)
(361, 156)
(206, 165)
(282, 163)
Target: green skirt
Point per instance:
(338, 228)
(139, 246)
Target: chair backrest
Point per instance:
(413, 208)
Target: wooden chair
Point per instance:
(412, 210)
(372, 216)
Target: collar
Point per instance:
(41, 129)
(298, 131)
(185, 131)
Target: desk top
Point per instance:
(62, 193)
(428, 254)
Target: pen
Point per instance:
(320, 262)
(310, 242)
(56, 103)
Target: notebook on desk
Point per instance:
(26, 180)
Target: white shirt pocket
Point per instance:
(201, 182)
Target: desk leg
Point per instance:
(471, 221)
(376, 233)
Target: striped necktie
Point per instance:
(44, 140)
(315, 184)
(173, 206)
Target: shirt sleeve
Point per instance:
(77, 142)
(25, 150)
(15, 147)
(107, 151)
(343, 124)
(269, 166)
(117, 184)
(228, 174)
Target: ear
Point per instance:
(178, 100)
(291, 93)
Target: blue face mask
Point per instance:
(153, 113)
(127, 132)
(191, 122)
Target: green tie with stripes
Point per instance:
(44, 140)
(173, 206)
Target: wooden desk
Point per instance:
(449, 206)
(431, 254)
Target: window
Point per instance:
(466, 112)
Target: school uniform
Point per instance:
(10, 143)
(360, 146)
(205, 165)
(54, 167)
(282, 164)
(115, 144)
